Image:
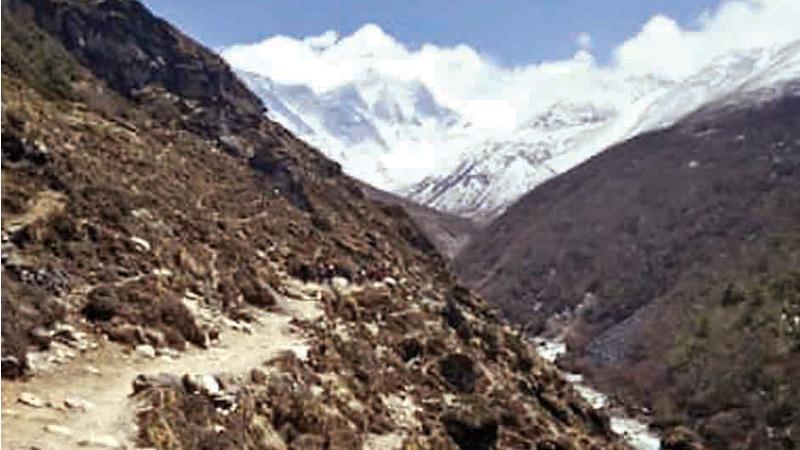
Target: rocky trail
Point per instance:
(86, 403)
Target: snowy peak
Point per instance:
(402, 101)
(564, 114)
(735, 77)
(371, 124)
(491, 174)
(496, 172)
(366, 42)
(398, 133)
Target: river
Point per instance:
(634, 431)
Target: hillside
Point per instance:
(447, 232)
(672, 261)
(180, 272)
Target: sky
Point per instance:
(495, 62)
(512, 32)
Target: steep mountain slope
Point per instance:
(490, 176)
(672, 257)
(148, 201)
(761, 72)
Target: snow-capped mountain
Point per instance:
(371, 125)
(738, 76)
(401, 134)
(496, 172)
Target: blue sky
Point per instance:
(511, 31)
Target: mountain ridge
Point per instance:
(478, 172)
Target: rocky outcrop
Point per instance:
(471, 432)
(459, 371)
(123, 44)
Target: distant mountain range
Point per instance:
(366, 125)
(496, 172)
(397, 136)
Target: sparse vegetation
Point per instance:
(37, 58)
(676, 281)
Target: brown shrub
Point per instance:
(142, 304)
(102, 305)
(24, 309)
(253, 288)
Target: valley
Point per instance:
(676, 271)
(383, 246)
(602, 221)
(603, 218)
(635, 430)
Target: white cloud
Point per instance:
(484, 91)
(584, 40)
(663, 47)
(322, 41)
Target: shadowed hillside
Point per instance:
(673, 257)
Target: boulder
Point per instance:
(77, 403)
(410, 348)
(58, 429)
(155, 338)
(472, 428)
(146, 351)
(339, 283)
(41, 337)
(224, 401)
(32, 400)
(65, 333)
(126, 333)
(459, 371)
(258, 376)
(202, 383)
(143, 382)
(18, 150)
(11, 367)
(101, 441)
(141, 244)
(102, 305)
(455, 319)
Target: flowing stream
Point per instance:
(634, 431)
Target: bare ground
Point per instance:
(104, 376)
